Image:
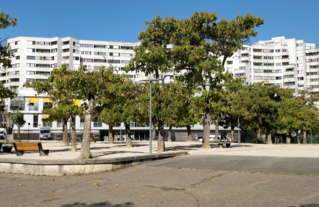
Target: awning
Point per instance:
(47, 100)
(45, 116)
(33, 100)
(77, 102)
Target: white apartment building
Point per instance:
(289, 63)
(34, 59)
(286, 62)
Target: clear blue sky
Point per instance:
(122, 20)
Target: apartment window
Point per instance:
(65, 42)
(99, 61)
(110, 54)
(13, 51)
(242, 68)
(312, 80)
(312, 73)
(278, 64)
(278, 50)
(239, 74)
(268, 71)
(65, 57)
(269, 57)
(76, 58)
(30, 80)
(299, 45)
(43, 65)
(47, 105)
(270, 51)
(18, 57)
(269, 64)
(230, 62)
(100, 46)
(258, 64)
(30, 73)
(17, 103)
(300, 85)
(35, 120)
(125, 61)
(126, 55)
(86, 45)
(75, 51)
(14, 80)
(47, 124)
(54, 50)
(14, 73)
(100, 53)
(113, 61)
(31, 42)
(42, 73)
(86, 53)
(30, 50)
(65, 50)
(30, 57)
(42, 58)
(114, 47)
(277, 71)
(301, 78)
(278, 77)
(289, 83)
(278, 57)
(54, 43)
(81, 122)
(54, 65)
(269, 78)
(86, 60)
(17, 65)
(97, 123)
(52, 58)
(126, 48)
(258, 71)
(284, 50)
(288, 76)
(258, 78)
(59, 123)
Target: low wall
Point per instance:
(77, 166)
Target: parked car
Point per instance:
(3, 134)
(166, 136)
(211, 138)
(45, 133)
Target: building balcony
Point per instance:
(289, 79)
(245, 58)
(314, 63)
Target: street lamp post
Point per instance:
(28, 131)
(151, 107)
(238, 131)
(310, 132)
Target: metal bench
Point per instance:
(223, 144)
(20, 148)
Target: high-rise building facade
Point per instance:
(289, 63)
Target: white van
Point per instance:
(3, 134)
(45, 133)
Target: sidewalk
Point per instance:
(102, 150)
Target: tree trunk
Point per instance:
(269, 138)
(65, 133)
(189, 133)
(161, 134)
(169, 139)
(304, 137)
(73, 134)
(18, 134)
(111, 139)
(216, 130)
(153, 131)
(206, 130)
(258, 134)
(128, 138)
(232, 131)
(85, 149)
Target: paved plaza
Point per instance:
(243, 175)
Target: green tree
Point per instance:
(89, 87)
(201, 47)
(5, 54)
(260, 106)
(62, 94)
(18, 120)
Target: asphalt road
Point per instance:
(182, 181)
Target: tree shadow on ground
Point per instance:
(307, 205)
(78, 204)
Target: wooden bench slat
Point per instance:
(27, 146)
